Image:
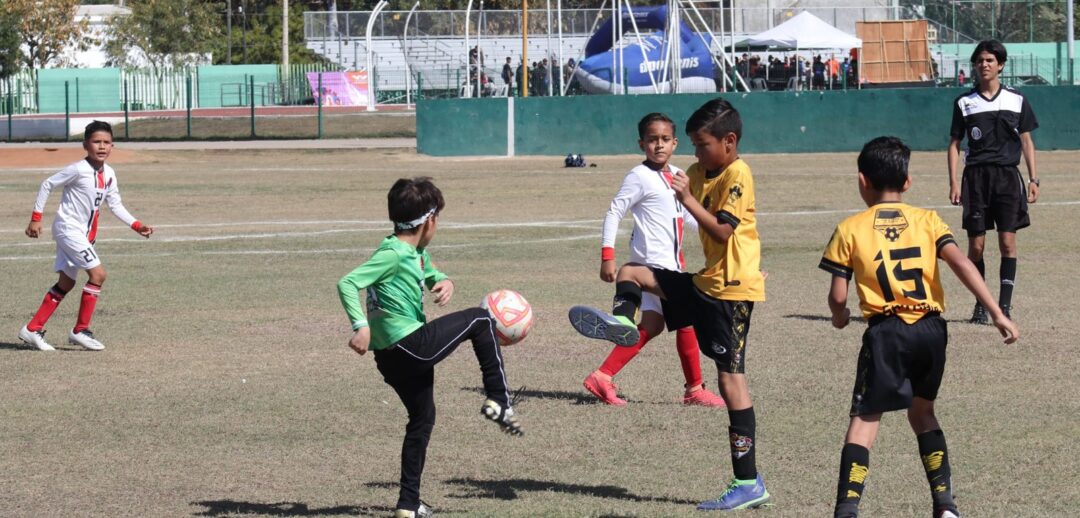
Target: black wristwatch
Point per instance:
(1034, 181)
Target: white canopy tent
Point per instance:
(803, 32)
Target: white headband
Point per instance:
(408, 225)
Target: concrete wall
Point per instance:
(773, 122)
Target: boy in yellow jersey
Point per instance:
(891, 251)
(718, 191)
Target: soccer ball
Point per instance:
(512, 313)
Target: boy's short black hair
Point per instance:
(718, 117)
(411, 199)
(992, 46)
(643, 124)
(884, 163)
(95, 127)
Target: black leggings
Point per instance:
(409, 367)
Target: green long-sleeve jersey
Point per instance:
(394, 277)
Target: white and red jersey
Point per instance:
(658, 219)
(80, 205)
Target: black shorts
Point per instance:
(993, 195)
(721, 325)
(899, 361)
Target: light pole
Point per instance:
(228, 31)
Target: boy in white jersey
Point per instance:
(657, 241)
(86, 184)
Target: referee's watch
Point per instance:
(1034, 181)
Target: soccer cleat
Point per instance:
(424, 511)
(604, 389)
(1008, 311)
(979, 316)
(704, 397)
(946, 512)
(594, 323)
(86, 339)
(503, 417)
(35, 338)
(740, 494)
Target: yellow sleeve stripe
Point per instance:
(836, 269)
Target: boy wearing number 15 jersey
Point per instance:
(87, 184)
(891, 250)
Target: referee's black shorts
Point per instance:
(993, 195)
(899, 361)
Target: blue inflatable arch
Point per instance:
(595, 72)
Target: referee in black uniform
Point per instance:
(997, 122)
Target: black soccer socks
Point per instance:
(1008, 280)
(627, 300)
(854, 466)
(935, 459)
(741, 434)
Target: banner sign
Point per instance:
(340, 88)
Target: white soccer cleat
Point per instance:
(423, 512)
(86, 339)
(35, 338)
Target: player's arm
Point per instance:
(382, 265)
(116, 206)
(953, 162)
(957, 130)
(841, 315)
(33, 230)
(1027, 145)
(437, 282)
(969, 275)
(630, 192)
(713, 224)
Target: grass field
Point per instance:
(227, 388)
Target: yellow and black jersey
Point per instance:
(733, 269)
(891, 251)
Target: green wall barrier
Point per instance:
(773, 122)
(463, 127)
(89, 89)
(224, 86)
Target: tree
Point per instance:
(47, 28)
(10, 55)
(263, 33)
(163, 33)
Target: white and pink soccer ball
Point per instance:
(512, 313)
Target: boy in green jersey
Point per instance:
(406, 346)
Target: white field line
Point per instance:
(368, 250)
(382, 227)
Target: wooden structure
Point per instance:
(896, 51)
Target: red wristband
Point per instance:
(36, 216)
(607, 253)
(136, 226)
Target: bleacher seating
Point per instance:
(440, 61)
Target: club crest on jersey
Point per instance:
(976, 133)
(735, 194)
(890, 222)
(707, 202)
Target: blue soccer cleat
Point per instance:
(594, 323)
(740, 494)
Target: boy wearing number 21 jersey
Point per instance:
(891, 250)
(87, 184)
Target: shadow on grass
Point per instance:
(16, 346)
(234, 508)
(524, 394)
(508, 490)
(822, 318)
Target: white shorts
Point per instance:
(650, 302)
(74, 253)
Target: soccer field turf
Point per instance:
(227, 389)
